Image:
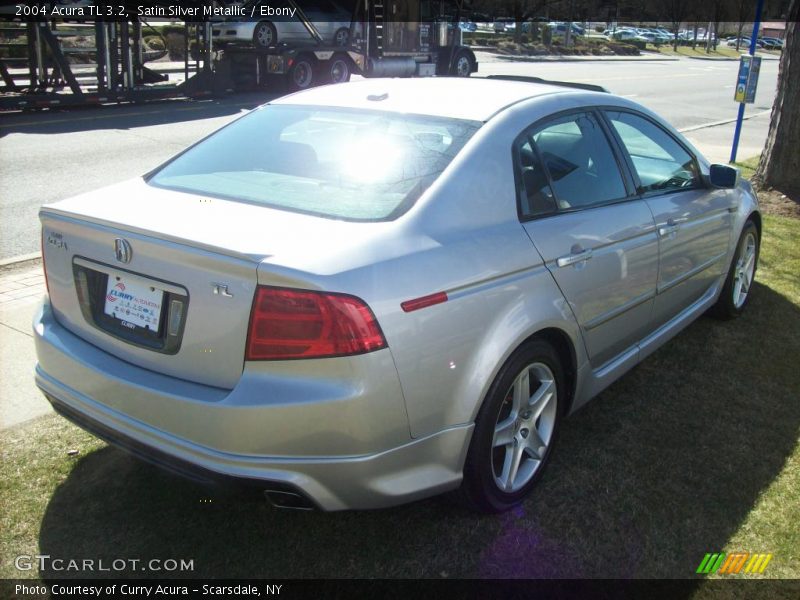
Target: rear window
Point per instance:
(336, 163)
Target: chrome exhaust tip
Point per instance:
(288, 500)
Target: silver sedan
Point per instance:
(278, 22)
(365, 294)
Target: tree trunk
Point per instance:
(780, 162)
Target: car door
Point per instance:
(596, 238)
(693, 221)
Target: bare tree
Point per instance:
(676, 12)
(524, 10)
(780, 161)
(718, 9)
(744, 13)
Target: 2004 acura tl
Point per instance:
(369, 293)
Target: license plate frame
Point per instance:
(135, 302)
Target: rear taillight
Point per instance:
(288, 323)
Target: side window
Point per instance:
(581, 164)
(660, 162)
(536, 197)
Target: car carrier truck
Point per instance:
(387, 38)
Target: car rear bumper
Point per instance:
(208, 434)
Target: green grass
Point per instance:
(694, 451)
(748, 166)
(722, 51)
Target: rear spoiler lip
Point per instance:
(571, 84)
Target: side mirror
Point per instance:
(723, 176)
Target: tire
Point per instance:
(511, 412)
(265, 35)
(738, 284)
(336, 70)
(462, 65)
(302, 75)
(342, 37)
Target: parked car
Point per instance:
(771, 43)
(623, 35)
(504, 25)
(364, 294)
(329, 18)
(745, 43)
(560, 29)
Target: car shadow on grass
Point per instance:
(663, 467)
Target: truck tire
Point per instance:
(462, 65)
(303, 74)
(335, 70)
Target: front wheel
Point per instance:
(515, 429)
(462, 65)
(739, 282)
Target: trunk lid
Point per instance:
(181, 303)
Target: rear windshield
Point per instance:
(336, 163)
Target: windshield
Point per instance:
(336, 163)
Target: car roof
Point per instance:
(475, 99)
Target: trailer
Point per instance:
(52, 73)
(387, 38)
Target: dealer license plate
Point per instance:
(134, 301)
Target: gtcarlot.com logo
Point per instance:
(45, 562)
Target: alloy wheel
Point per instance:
(744, 270)
(524, 428)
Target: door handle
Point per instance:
(574, 258)
(667, 230)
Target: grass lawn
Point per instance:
(695, 451)
(722, 51)
(748, 166)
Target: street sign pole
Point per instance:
(740, 117)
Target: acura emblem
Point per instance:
(123, 250)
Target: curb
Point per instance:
(550, 58)
(731, 58)
(723, 122)
(18, 260)
(714, 59)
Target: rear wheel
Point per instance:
(739, 282)
(301, 74)
(336, 70)
(515, 429)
